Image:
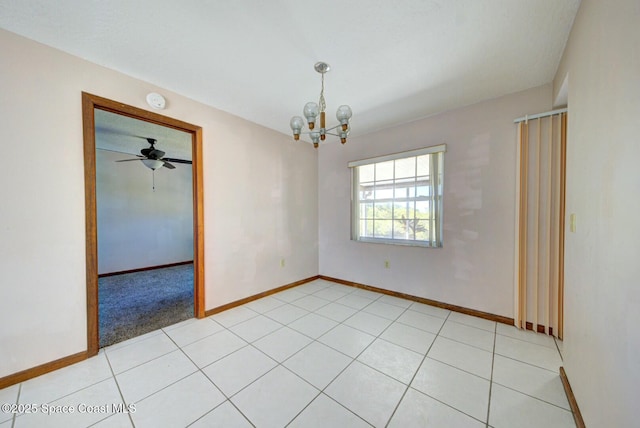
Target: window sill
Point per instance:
(401, 243)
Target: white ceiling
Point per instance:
(123, 134)
(392, 61)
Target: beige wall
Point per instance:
(602, 264)
(260, 200)
(475, 268)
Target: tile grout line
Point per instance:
(417, 370)
(357, 329)
(213, 317)
(313, 339)
(278, 364)
(161, 332)
(391, 322)
(353, 359)
(493, 358)
(174, 382)
(135, 340)
(473, 326)
(303, 409)
(218, 406)
(445, 403)
(199, 369)
(145, 362)
(555, 340)
(423, 360)
(332, 399)
(408, 308)
(115, 379)
(15, 415)
(466, 343)
(459, 369)
(446, 319)
(320, 392)
(295, 319)
(527, 341)
(525, 362)
(247, 385)
(70, 393)
(534, 397)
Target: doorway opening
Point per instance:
(98, 107)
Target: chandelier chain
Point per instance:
(321, 103)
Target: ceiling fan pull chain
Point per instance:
(153, 178)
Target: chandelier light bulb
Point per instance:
(315, 137)
(296, 126)
(343, 115)
(310, 111)
(343, 136)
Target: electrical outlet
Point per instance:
(386, 264)
(282, 262)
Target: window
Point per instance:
(397, 199)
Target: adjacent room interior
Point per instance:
(145, 226)
(270, 212)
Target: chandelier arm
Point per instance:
(336, 135)
(326, 131)
(332, 128)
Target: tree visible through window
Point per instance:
(398, 198)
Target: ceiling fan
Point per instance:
(153, 158)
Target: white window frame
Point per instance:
(435, 196)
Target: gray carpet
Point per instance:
(136, 303)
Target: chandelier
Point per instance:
(312, 110)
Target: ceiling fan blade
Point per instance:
(168, 165)
(128, 160)
(110, 130)
(177, 160)
(116, 151)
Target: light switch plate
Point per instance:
(572, 222)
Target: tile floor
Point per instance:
(318, 355)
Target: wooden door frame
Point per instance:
(89, 104)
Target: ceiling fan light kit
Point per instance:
(152, 164)
(154, 158)
(312, 110)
